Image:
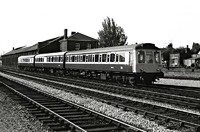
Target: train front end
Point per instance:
(148, 62)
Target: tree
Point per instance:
(111, 34)
(167, 51)
(195, 48)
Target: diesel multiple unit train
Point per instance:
(127, 64)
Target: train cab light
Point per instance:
(159, 70)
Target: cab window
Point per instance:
(156, 57)
(149, 56)
(141, 57)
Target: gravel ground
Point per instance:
(129, 117)
(15, 118)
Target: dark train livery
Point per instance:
(128, 64)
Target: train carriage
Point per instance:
(131, 62)
(26, 62)
(49, 62)
(127, 64)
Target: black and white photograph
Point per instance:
(100, 66)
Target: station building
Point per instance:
(76, 41)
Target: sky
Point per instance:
(26, 22)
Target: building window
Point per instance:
(77, 46)
(88, 46)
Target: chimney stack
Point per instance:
(65, 34)
(72, 33)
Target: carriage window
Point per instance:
(84, 58)
(81, 58)
(156, 57)
(90, 58)
(100, 56)
(75, 58)
(67, 58)
(117, 57)
(122, 57)
(104, 58)
(93, 58)
(56, 59)
(61, 59)
(96, 58)
(48, 59)
(141, 58)
(78, 58)
(112, 57)
(72, 58)
(149, 56)
(108, 57)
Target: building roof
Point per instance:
(80, 37)
(193, 58)
(74, 37)
(22, 49)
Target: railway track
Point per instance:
(62, 115)
(177, 95)
(148, 110)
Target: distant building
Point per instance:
(174, 60)
(76, 41)
(195, 61)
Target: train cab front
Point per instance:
(148, 64)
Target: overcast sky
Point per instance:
(26, 22)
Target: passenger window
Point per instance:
(93, 58)
(141, 58)
(117, 57)
(67, 58)
(149, 56)
(90, 58)
(84, 58)
(156, 57)
(104, 58)
(112, 57)
(72, 58)
(81, 58)
(61, 59)
(100, 57)
(75, 58)
(122, 57)
(96, 58)
(108, 58)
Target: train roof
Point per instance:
(50, 54)
(117, 48)
(26, 56)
